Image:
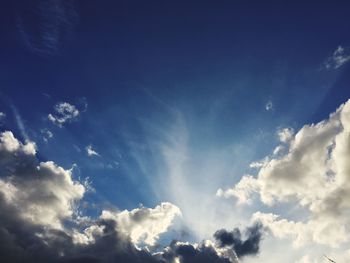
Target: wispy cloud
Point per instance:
(44, 25)
(2, 117)
(339, 58)
(47, 134)
(19, 122)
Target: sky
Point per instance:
(174, 131)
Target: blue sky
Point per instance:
(174, 99)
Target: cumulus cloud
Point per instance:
(63, 112)
(90, 151)
(40, 220)
(312, 174)
(339, 58)
(144, 225)
(41, 193)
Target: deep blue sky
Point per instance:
(141, 64)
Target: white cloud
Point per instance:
(242, 190)
(144, 225)
(39, 214)
(44, 194)
(312, 174)
(339, 57)
(40, 193)
(269, 105)
(9, 144)
(64, 112)
(306, 259)
(285, 134)
(90, 151)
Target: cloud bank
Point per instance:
(312, 172)
(40, 220)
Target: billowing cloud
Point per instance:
(312, 174)
(339, 58)
(63, 112)
(90, 151)
(41, 193)
(144, 225)
(40, 220)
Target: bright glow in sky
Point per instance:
(174, 131)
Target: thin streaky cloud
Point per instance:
(339, 58)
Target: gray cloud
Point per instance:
(248, 246)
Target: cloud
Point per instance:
(40, 220)
(45, 25)
(228, 247)
(19, 122)
(9, 145)
(63, 112)
(269, 105)
(90, 151)
(285, 134)
(144, 225)
(248, 246)
(47, 134)
(41, 193)
(339, 58)
(206, 252)
(313, 174)
(306, 259)
(2, 117)
(243, 189)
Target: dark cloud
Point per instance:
(188, 253)
(249, 246)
